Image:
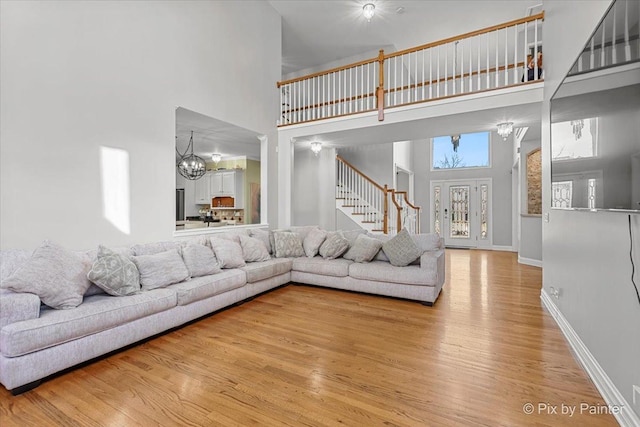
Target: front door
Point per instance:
(461, 212)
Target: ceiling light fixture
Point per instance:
(215, 158)
(505, 129)
(316, 146)
(577, 126)
(190, 166)
(368, 10)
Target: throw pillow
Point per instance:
(303, 230)
(161, 269)
(380, 256)
(352, 235)
(364, 249)
(263, 235)
(154, 248)
(55, 274)
(287, 244)
(253, 249)
(312, 242)
(228, 252)
(114, 273)
(200, 260)
(334, 245)
(401, 249)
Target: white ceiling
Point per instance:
(319, 32)
(214, 136)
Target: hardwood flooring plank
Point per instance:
(311, 356)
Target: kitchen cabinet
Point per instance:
(203, 190)
(228, 184)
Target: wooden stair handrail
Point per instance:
(468, 35)
(375, 184)
(417, 48)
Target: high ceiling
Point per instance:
(319, 32)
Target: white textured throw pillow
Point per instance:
(55, 274)
(263, 235)
(228, 252)
(313, 241)
(114, 273)
(161, 269)
(401, 249)
(253, 249)
(364, 249)
(287, 244)
(334, 245)
(200, 260)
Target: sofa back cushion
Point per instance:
(401, 249)
(253, 249)
(56, 275)
(228, 252)
(288, 244)
(160, 269)
(200, 260)
(364, 249)
(334, 245)
(114, 273)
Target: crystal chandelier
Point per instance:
(577, 126)
(215, 158)
(189, 165)
(316, 146)
(505, 129)
(455, 141)
(368, 10)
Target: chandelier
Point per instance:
(455, 141)
(215, 158)
(577, 126)
(368, 10)
(505, 129)
(189, 165)
(316, 146)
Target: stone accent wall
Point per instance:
(534, 182)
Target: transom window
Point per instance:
(467, 150)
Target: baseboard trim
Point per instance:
(502, 248)
(609, 392)
(529, 261)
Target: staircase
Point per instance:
(374, 207)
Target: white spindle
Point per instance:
(462, 67)
(415, 80)
(488, 68)
(431, 73)
(602, 51)
(592, 56)
(408, 80)
(506, 56)
(627, 46)
(395, 80)
(497, 61)
(470, 67)
(446, 63)
(423, 53)
(535, 51)
(479, 41)
(526, 46)
(515, 56)
(614, 56)
(438, 74)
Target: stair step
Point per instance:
(381, 231)
(369, 222)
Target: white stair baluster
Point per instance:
(506, 56)
(614, 56)
(526, 47)
(627, 46)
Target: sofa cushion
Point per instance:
(207, 286)
(364, 249)
(258, 271)
(312, 242)
(325, 267)
(427, 241)
(114, 273)
(401, 249)
(200, 260)
(334, 245)
(57, 275)
(263, 235)
(253, 249)
(161, 269)
(154, 248)
(380, 271)
(228, 252)
(287, 244)
(380, 256)
(10, 260)
(97, 313)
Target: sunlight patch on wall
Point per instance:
(114, 174)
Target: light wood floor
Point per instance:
(311, 356)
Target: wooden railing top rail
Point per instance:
(415, 49)
(406, 200)
(467, 35)
(332, 70)
(375, 184)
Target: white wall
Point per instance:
(78, 76)
(313, 188)
(402, 155)
(530, 245)
(500, 172)
(375, 161)
(586, 254)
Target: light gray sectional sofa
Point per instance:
(37, 341)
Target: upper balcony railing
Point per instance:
(501, 56)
